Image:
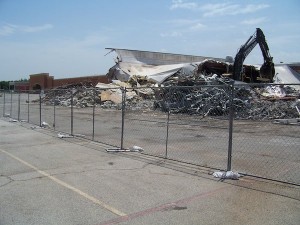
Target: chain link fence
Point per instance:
(266, 134)
(174, 123)
(249, 128)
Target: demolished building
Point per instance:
(156, 66)
(186, 84)
(287, 74)
(154, 69)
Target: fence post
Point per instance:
(10, 104)
(4, 103)
(41, 92)
(231, 111)
(54, 103)
(94, 101)
(72, 113)
(19, 107)
(123, 114)
(167, 138)
(28, 106)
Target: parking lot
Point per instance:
(47, 180)
(260, 148)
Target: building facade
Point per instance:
(44, 81)
(19, 85)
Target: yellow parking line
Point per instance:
(64, 184)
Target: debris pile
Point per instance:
(256, 103)
(215, 101)
(199, 89)
(84, 95)
(265, 110)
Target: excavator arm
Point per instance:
(267, 70)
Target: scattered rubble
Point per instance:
(136, 148)
(227, 175)
(256, 103)
(214, 101)
(83, 95)
(114, 96)
(132, 149)
(273, 91)
(61, 135)
(45, 125)
(203, 89)
(295, 121)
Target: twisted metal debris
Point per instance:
(211, 99)
(214, 101)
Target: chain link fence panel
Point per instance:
(188, 124)
(34, 108)
(2, 102)
(175, 123)
(83, 103)
(266, 134)
(108, 116)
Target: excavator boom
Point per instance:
(267, 70)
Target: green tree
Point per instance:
(4, 85)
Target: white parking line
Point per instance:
(64, 184)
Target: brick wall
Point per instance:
(19, 85)
(47, 82)
(74, 80)
(39, 79)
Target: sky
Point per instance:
(67, 38)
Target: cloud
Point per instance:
(230, 9)
(183, 22)
(183, 26)
(171, 34)
(33, 29)
(197, 27)
(252, 8)
(9, 29)
(186, 24)
(180, 4)
(254, 21)
(218, 9)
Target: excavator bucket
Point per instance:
(267, 72)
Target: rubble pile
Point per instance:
(83, 95)
(215, 101)
(203, 91)
(266, 110)
(257, 103)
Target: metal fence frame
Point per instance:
(10, 97)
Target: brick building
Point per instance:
(44, 81)
(40, 81)
(19, 85)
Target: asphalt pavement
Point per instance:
(48, 180)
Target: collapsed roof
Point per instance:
(286, 74)
(157, 67)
